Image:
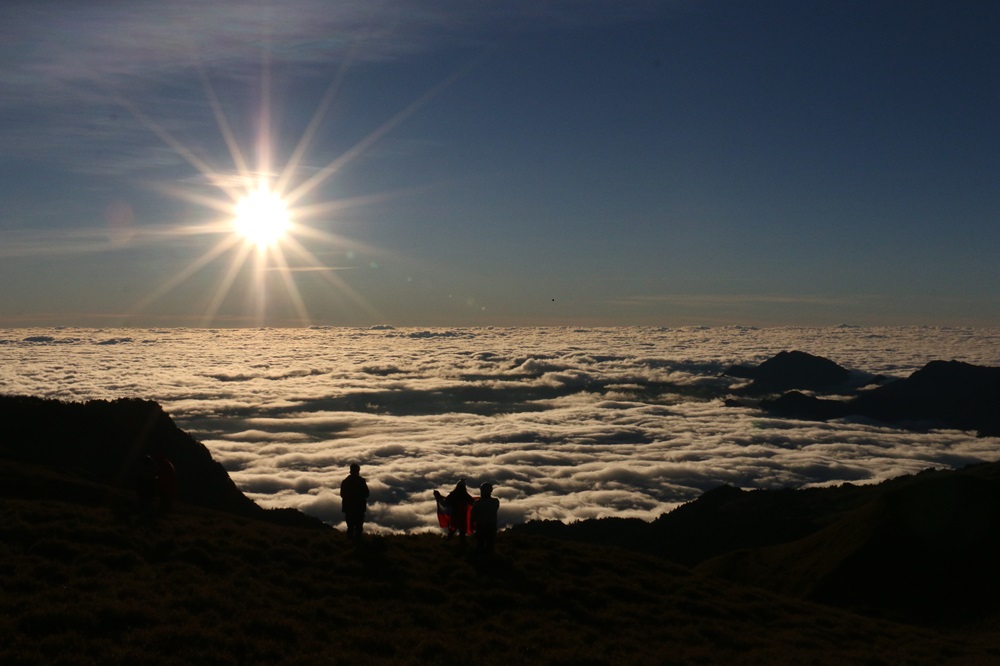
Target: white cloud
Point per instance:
(599, 426)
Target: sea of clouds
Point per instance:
(567, 423)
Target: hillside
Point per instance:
(895, 573)
(107, 442)
(87, 581)
(924, 549)
(916, 548)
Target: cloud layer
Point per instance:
(568, 424)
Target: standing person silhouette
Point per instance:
(484, 519)
(354, 501)
(459, 500)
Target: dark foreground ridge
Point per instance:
(920, 549)
(733, 577)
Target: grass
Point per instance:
(85, 581)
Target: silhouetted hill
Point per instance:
(81, 585)
(789, 370)
(925, 550)
(86, 579)
(961, 395)
(719, 521)
(921, 548)
(106, 442)
(943, 393)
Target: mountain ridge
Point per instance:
(949, 394)
(107, 442)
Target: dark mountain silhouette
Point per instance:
(82, 586)
(925, 551)
(948, 394)
(791, 370)
(106, 442)
(919, 548)
(719, 521)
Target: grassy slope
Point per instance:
(924, 549)
(83, 580)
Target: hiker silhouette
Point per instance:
(354, 501)
(484, 519)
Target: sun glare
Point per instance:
(257, 213)
(261, 218)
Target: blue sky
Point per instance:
(522, 163)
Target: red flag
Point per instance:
(444, 514)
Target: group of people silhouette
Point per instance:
(459, 512)
(462, 513)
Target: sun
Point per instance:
(261, 218)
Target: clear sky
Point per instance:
(508, 163)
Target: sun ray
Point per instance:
(259, 210)
(346, 203)
(335, 165)
(292, 165)
(303, 253)
(235, 265)
(264, 133)
(183, 151)
(257, 294)
(331, 277)
(332, 239)
(291, 287)
(224, 206)
(220, 118)
(208, 257)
